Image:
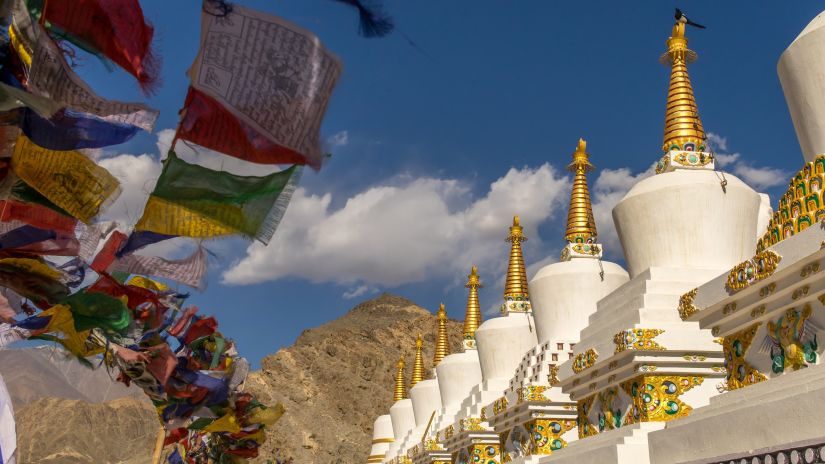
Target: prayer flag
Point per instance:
(71, 130)
(274, 80)
(195, 201)
(115, 28)
(67, 178)
(188, 271)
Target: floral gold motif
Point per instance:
(553, 376)
(637, 339)
(759, 267)
(499, 405)
(532, 393)
(758, 311)
(656, 397)
(686, 307)
(791, 341)
(739, 372)
(585, 360)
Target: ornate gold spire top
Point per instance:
(442, 345)
(581, 227)
(418, 365)
(683, 128)
(400, 386)
(515, 286)
(472, 318)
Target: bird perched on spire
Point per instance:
(684, 19)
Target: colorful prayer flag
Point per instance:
(71, 130)
(273, 78)
(66, 178)
(115, 28)
(188, 271)
(194, 201)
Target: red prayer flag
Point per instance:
(209, 124)
(106, 257)
(115, 28)
(36, 215)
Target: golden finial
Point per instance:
(472, 318)
(581, 227)
(442, 346)
(418, 364)
(400, 386)
(516, 284)
(683, 128)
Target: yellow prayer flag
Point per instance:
(75, 342)
(227, 423)
(168, 218)
(22, 50)
(66, 178)
(147, 283)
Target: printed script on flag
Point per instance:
(272, 75)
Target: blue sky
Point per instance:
(436, 147)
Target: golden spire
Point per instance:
(442, 346)
(418, 364)
(400, 386)
(683, 128)
(472, 318)
(581, 227)
(516, 285)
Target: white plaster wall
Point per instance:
(685, 219)
(765, 213)
(502, 342)
(403, 418)
(564, 295)
(800, 69)
(8, 438)
(426, 398)
(457, 373)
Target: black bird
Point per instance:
(684, 19)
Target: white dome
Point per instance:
(426, 398)
(684, 219)
(381, 438)
(403, 418)
(502, 342)
(564, 295)
(458, 373)
(800, 69)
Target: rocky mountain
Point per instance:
(337, 378)
(334, 381)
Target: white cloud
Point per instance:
(358, 291)
(759, 178)
(137, 175)
(390, 235)
(339, 139)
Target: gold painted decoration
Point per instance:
(767, 290)
(545, 435)
(686, 307)
(637, 339)
(448, 432)
(587, 249)
(583, 408)
(739, 372)
(809, 269)
(758, 268)
(486, 453)
(610, 416)
(791, 340)
(800, 206)
(656, 397)
(800, 292)
(499, 405)
(585, 360)
(553, 375)
(532, 393)
(471, 424)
